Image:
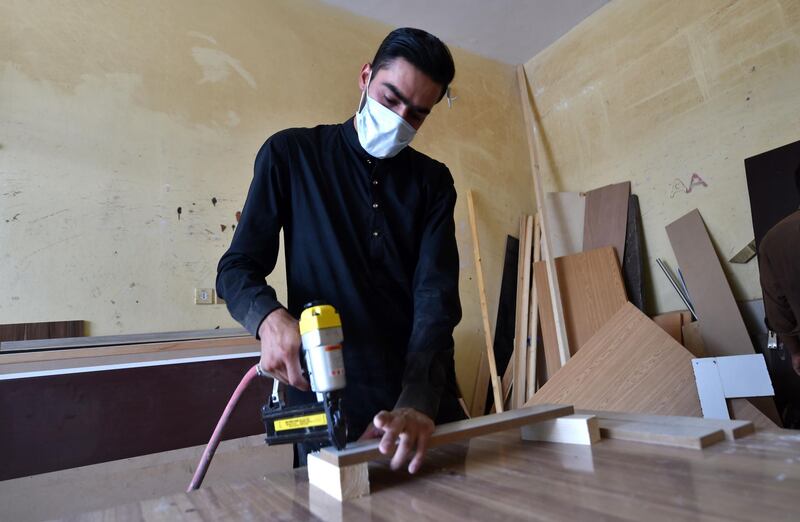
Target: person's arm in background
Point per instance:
(242, 271)
(437, 310)
(780, 317)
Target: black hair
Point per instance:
(422, 50)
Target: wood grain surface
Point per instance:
(500, 477)
(606, 218)
(723, 330)
(592, 291)
(453, 432)
(629, 365)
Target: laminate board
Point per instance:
(633, 259)
(565, 213)
(606, 218)
(592, 291)
(733, 429)
(667, 435)
(723, 331)
(629, 365)
(365, 451)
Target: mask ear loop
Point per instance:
(363, 100)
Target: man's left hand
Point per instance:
(408, 430)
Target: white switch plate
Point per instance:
(203, 296)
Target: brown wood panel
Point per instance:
(723, 331)
(592, 291)
(41, 330)
(500, 477)
(64, 421)
(453, 432)
(606, 218)
(629, 365)
(672, 323)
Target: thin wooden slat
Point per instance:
(629, 365)
(531, 131)
(733, 429)
(565, 214)
(533, 318)
(487, 334)
(521, 353)
(693, 437)
(723, 331)
(592, 291)
(452, 432)
(606, 218)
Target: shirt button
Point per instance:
(369, 162)
(374, 181)
(374, 205)
(375, 233)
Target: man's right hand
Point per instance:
(280, 348)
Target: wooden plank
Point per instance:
(128, 349)
(592, 292)
(672, 323)
(633, 260)
(570, 429)
(629, 365)
(487, 334)
(692, 339)
(342, 483)
(733, 429)
(41, 331)
(565, 214)
(723, 331)
(118, 340)
(743, 409)
(693, 437)
(531, 131)
(523, 291)
(453, 432)
(533, 318)
(606, 218)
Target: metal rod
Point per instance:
(676, 287)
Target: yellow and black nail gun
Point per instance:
(323, 362)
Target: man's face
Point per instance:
(403, 88)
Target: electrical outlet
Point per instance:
(204, 296)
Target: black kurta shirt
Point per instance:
(374, 238)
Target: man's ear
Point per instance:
(364, 76)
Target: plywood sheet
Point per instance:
(723, 331)
(629, 365)
(591, 291)
(565, 215)
(606, 218)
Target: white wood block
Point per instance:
(744, 376)
(571, 429)
(709, 388)
(342, 483)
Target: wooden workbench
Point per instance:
(499, 477)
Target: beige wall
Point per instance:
(113, 115)
(654, 91)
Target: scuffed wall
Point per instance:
(114, 115)
(673, 95)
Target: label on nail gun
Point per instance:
(296, 423)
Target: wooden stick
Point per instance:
(523, 300)
(570, 429)
(555, 293)
(533, 320)
(487, 333)
(365, 451)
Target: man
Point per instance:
(779, 265)
(368, 227)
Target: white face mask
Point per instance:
(381, 132)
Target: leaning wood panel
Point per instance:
(592, 291)
(606, 218)
(723, 331)
(629, 365)
(521, 341)
(453, 432)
